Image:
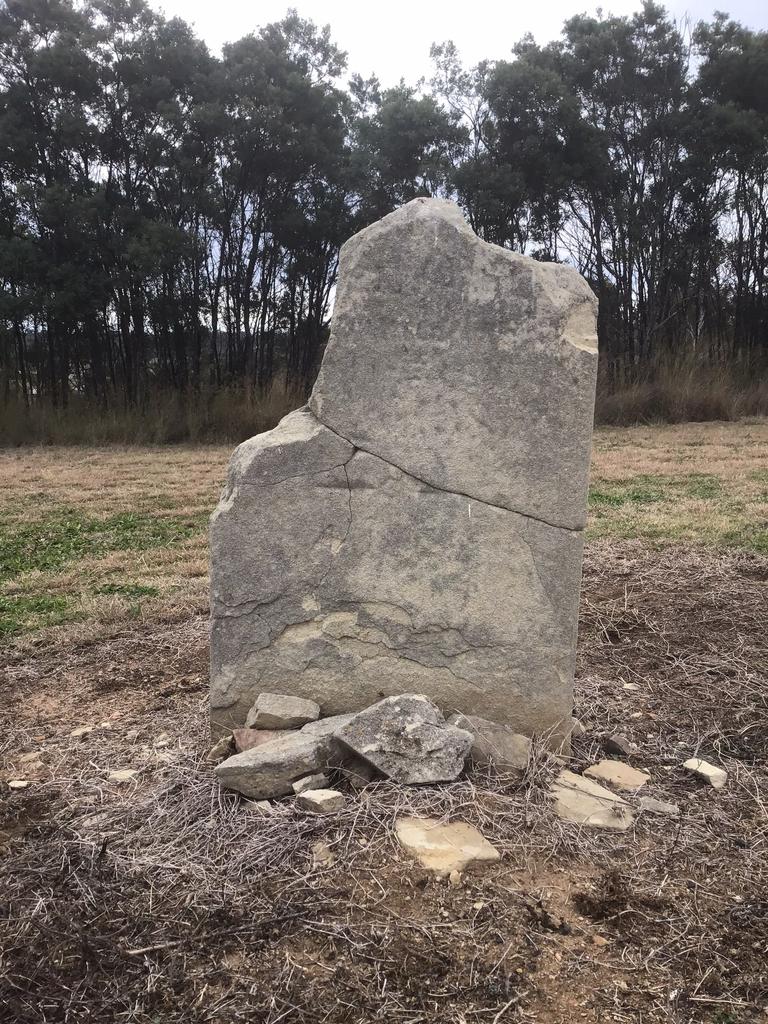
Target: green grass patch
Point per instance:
(67, 535)
(22, 613)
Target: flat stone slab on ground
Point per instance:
(495, 743)
(408, 740)
(281, 711)
(442, 847)
(270, 770)
(320, 801)
(585, 803)
(716, 777)
(617, 774)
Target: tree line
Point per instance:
(171, 220)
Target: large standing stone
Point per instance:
(417, 528)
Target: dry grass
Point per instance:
(172, 901)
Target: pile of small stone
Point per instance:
(286, 748)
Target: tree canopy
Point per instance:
(170, 219)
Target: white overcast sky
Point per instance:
(391, 38)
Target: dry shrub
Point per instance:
(680, 392)
(163, 417)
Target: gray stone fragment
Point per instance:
(408, 740)
(654, 806)
(270, 770)
(494, 743)
(618, 744)
(281, 711)
(327, 726)
(577, 728)
(320, 801)
(318, 781)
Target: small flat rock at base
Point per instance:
(18, 784)
(322, 855)
(407, 739)
(263, 806)
(494, 743)
(650, 803)
(320, 801)
(617, 774)
(82, 731)
(585, 803)
(270, 770)
(617, 744)
(326, 726)
(578, 729)
(247, 739)
(444, 848)
(716, 777)
(122, 775)
(221, 749)
(281, 711)
(318, 781)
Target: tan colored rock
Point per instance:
(320, 801)
(222, 748)
(322, 855)
(247, 739)
(617, 774)
(123, 775)
(444, 848)
(584, 802)
(419, 448)
(18, 784)
(716, 777)
(318, 781)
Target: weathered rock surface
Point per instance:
(270, 770)
(617, 774)
(327, 726)
(247, 739)
(444, 848)
(281, 711)
(654, 806)
(320, 801)
(716, 777)
(418, 527)
(586, 803)
(494, 743)
(408, 740)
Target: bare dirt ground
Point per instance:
(165, 900)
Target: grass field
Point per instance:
(164, 901)
(98, 536)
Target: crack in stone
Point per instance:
(445, 490)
